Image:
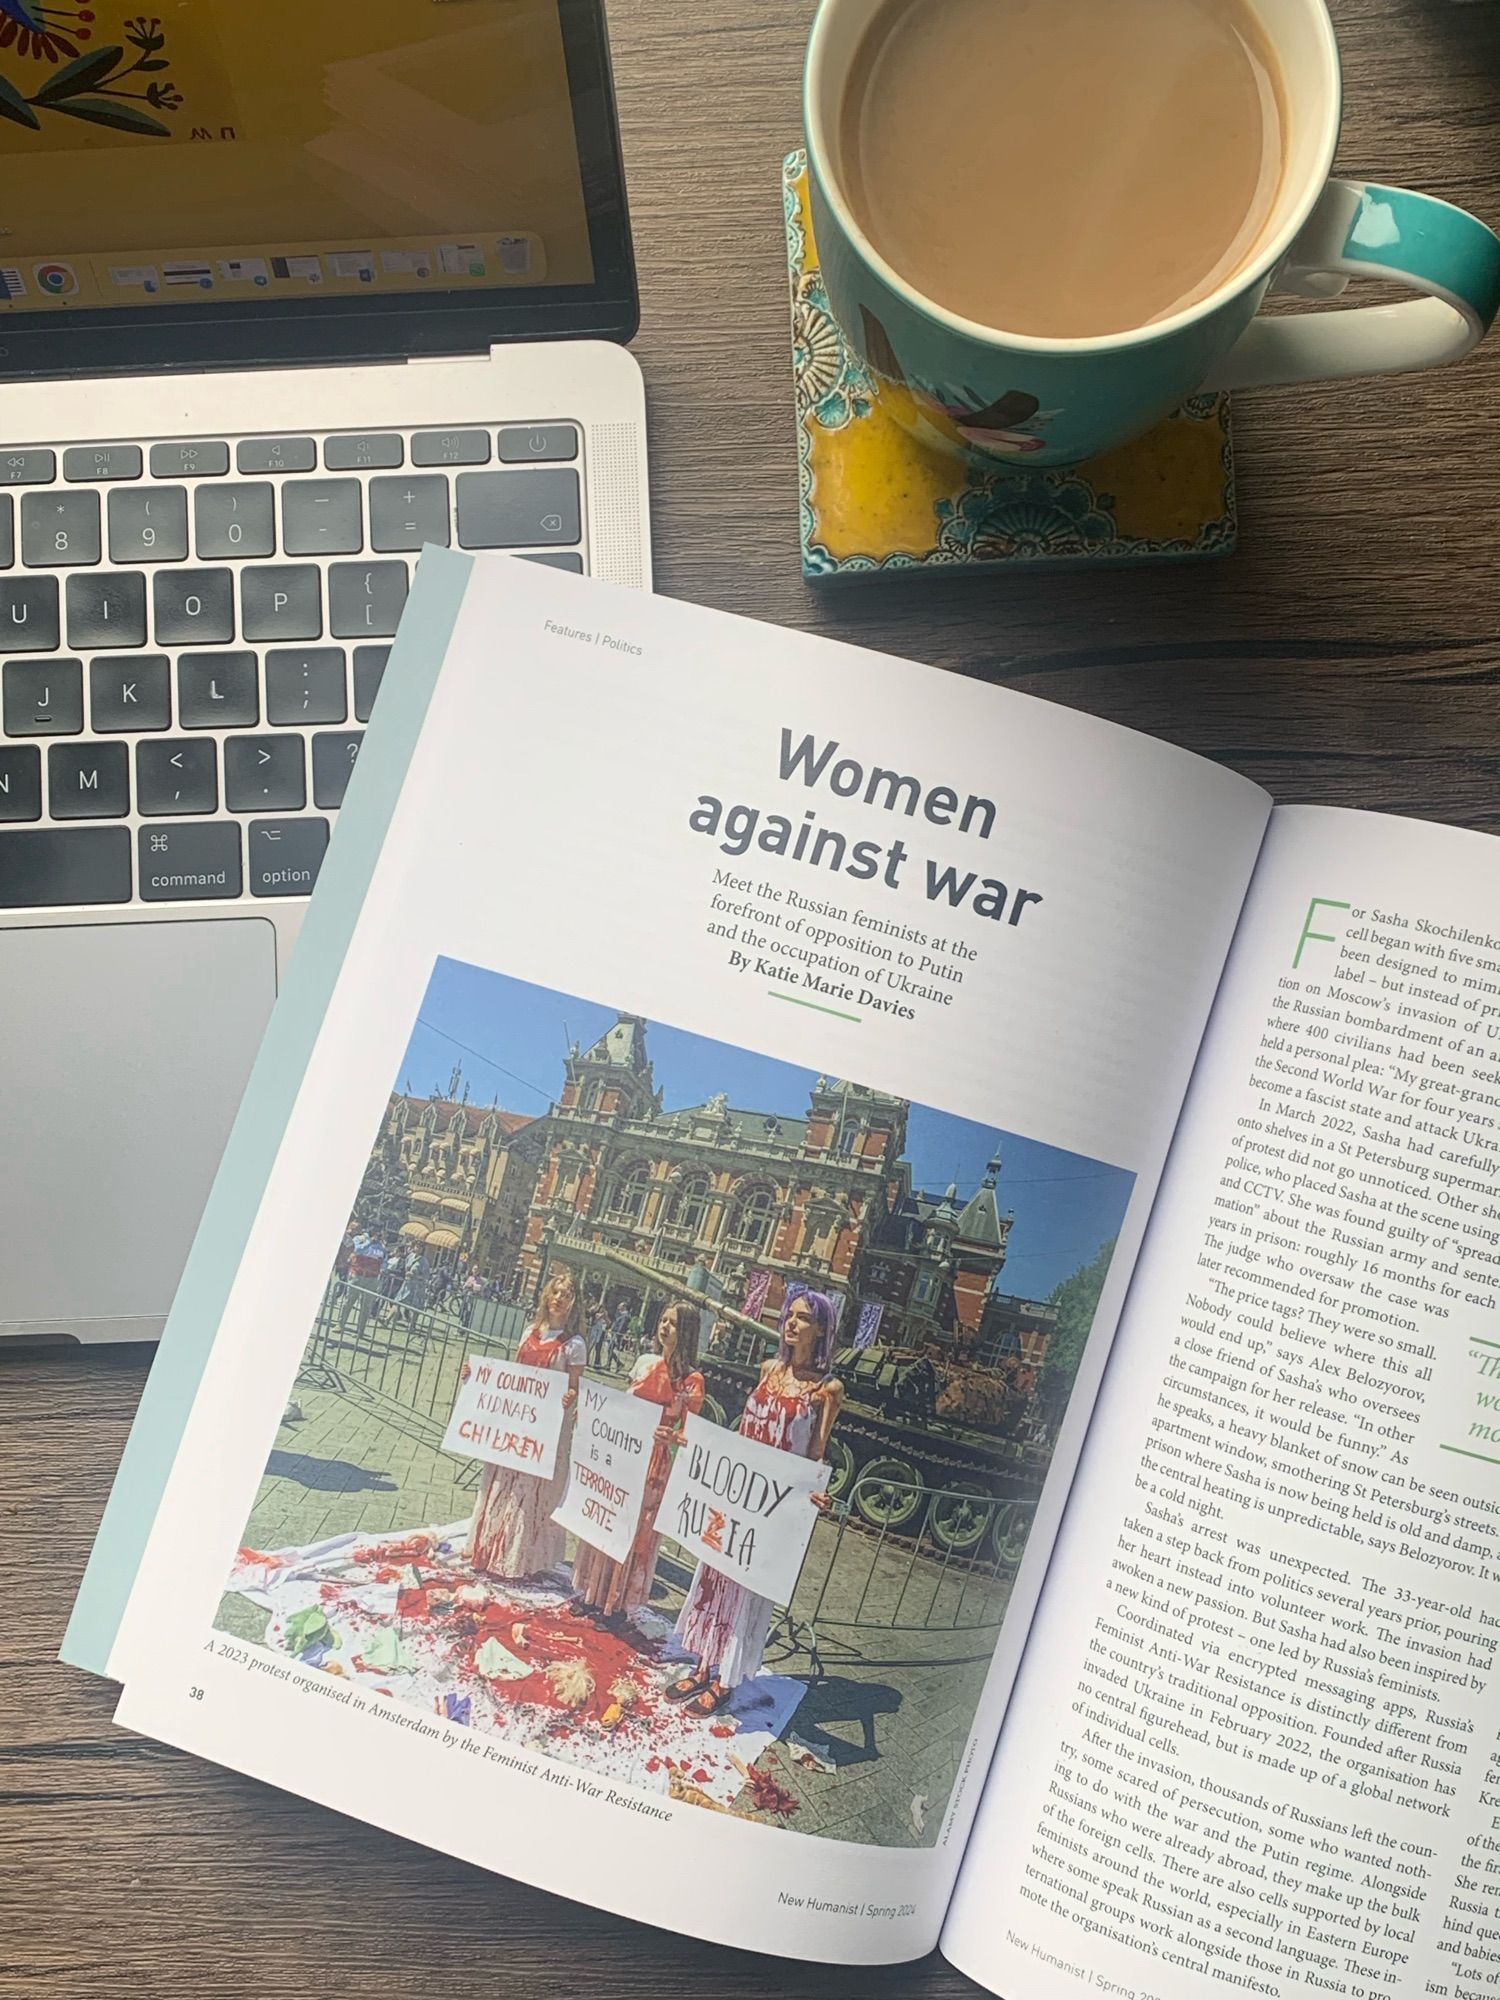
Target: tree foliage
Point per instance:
(384, 1199)
(1077, 1300)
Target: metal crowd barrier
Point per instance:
(906, 1558)
(407, 1358)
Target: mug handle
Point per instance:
(1362, 230)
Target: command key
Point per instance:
(189, 864)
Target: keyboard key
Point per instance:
(29, 615)
(107, 609)
(369, 667)
(235, 520)
(285, 855)
(451, 448)
(59, 530)
(194, 607)
(528, 443)
(64, 865)
(289, 454)
(510, 510)
(88, 780)
(177, 774)
(149, 525)
(365, 599)
(264, 774)
(556, 559)
(322, 517)
(207, 458)
(130, 695)
(7, 531)
(333, 759)
(102, 461)
(190, 864)
(43, 697)
(218, 690)
(306, 684)
(363, 454)
(21, 781)
(280, 602)
(405, 513)
(27, 468)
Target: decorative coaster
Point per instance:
(875, 497)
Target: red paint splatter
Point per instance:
(248, 1555)
(722, 1729)
(767, 1794)
(407, 1550)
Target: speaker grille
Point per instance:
(615, 497)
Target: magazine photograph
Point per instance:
(672, 1411)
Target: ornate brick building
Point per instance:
(453, 1171)
(737, 1203)
(1015, 1328)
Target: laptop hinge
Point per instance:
(447, 360)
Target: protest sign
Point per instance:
(742, 1507)
(507, 1415)
(607, 1479)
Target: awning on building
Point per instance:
(416, 1230)
(443, 1239)
(425, 1198)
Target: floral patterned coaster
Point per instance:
(876, 497)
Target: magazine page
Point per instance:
(641, 1411)
(1255, 1745)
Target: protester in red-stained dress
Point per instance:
(514, 1534)
(616, 1592)
(794, 1407)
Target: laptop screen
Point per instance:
(233, 151)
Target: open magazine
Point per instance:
(850, 1311)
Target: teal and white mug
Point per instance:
(1053, 402)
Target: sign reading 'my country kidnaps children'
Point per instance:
(507, 1415)
(742, 1507)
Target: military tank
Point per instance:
(922, 1448)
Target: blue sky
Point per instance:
(511, 1038)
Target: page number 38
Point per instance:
(195, 1694)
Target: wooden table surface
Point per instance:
(1350, 652)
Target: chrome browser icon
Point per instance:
(58, 281)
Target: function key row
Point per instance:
(352, 451)
(176, 776)
(191, 863)
(246, 520)
(132, 696)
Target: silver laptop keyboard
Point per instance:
(192, 634)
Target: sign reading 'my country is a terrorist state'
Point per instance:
(612, 1444)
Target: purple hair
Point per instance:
(824, 1309)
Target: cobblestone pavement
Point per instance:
(891, 1715)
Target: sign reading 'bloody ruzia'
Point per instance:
(742, 1507)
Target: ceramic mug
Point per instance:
(1052, 402)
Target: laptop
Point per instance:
(286, 292)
